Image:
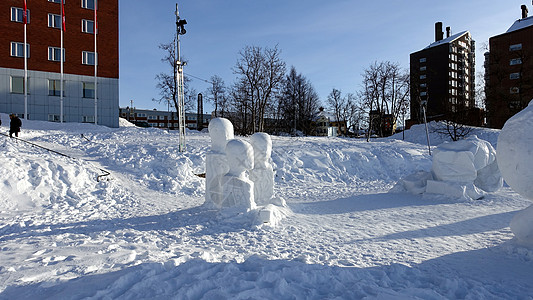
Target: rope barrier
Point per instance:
(106, 173)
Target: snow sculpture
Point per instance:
(464, 169)
(262, 174)
(515, 159)
(237, 189)
(216, 165)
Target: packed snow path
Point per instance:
(144, 233)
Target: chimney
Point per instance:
(438, 31)
(524, 11)
(448, 31)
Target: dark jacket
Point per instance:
(15, 124)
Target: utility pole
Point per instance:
(180, 30)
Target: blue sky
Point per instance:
(329, 42)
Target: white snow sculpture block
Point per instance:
(515, 159)
(489, 178)
(262, 174)
(515, 152)
(416, 183)
(455, 166)
(237, 189)
(454, 189)
(522, 226)
(220, 131)
(466, 161)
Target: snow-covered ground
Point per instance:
(142, 232)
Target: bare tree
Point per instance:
(356, 114)
(385, 92)
(339, 107)
(297, 104)
(166, 82)
(261, 71)
(217, 94)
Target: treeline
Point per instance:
(267, 96)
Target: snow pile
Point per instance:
(465, 169)
(144, 233)
(515, 158)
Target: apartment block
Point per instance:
(43, 36)
(443, 79)
(509, 71)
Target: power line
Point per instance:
(196, 77)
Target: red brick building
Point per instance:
(509, 71)
(44, 52)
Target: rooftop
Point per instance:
(447, 40)
(520, 24)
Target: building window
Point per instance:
(54, 21)
(88, 90)
(514, 76)
(152, 117)
(87, 119)
(87, 26)
(54, 118)
(54, 54)
(54, 87)
(17, 15)
(423, 85)
(56, 1)
(515, 61)
(423, 68)
(423, 94)
(515, 47)
(89, 4)
(422, 76)
(88, 58)
(514, 90)
(423, 60)
(17, 49)
(17, 85)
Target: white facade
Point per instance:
(44, 102)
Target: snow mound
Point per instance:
(464, 169)
(33, 178)
(515, 158)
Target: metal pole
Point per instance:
(25, 67)
(179, 85)
(95, 66)
(427, 131)
(62, 70)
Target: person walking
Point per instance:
(14, 125)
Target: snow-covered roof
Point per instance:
(326, 115)
(522, 23)
(447, 40)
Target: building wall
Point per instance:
(40, 37)
(41, 105)
(443, 76)
(162, 119)
(508, 95)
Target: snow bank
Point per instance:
(33, 178)
(515, 158)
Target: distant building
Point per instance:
(161, 119)
(44, 56)
(443, 79)
(509, 71)
(327, 125)
(382, 124)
